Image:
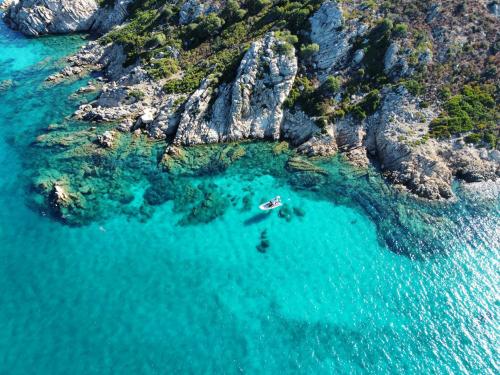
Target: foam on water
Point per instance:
(125, 296)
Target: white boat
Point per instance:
(272, 204)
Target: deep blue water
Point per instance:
(124, 296)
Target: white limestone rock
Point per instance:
(166, 122)
(107, 139)
(334, 36)
(297, 127)
(321, 144)
(195, 126)
(38, 17)
(191, 10)
(108, 17)
(250, 107)
(265, 78)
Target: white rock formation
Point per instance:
(265, 78)
(194, 9)
(251, 107)
(107, 18)
(333, 35)
(107, 139)
(425, 168)
(297, 127)
(195, 126)
(166, 122)
(39, 17)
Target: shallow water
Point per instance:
(132, 293)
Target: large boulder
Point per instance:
(108, 17)
(39, 17)
(195, 126)
(298, 127)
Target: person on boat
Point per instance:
(275, 201)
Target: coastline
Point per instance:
(169, 264)
(125, 99)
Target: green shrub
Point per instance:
(473, 138)
(232, 12)
(287, 41)
(378, 42)
(163, 68)
(401, 30)
(367, 106)
(137, 94)
(414, 87)
(156, 40)
(255, 6)
(473, 110)
(330, 86)
(309, 50)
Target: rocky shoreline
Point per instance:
(252, 106)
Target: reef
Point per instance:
(183, 90)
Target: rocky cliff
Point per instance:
(366, 81)
(39, 17)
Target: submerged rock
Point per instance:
(264, 242)
(108, 139)
(297, 164)
(6, 84)
(212, 205)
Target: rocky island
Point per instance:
(411, 89)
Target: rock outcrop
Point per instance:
(334, 35)
(39, 17)
(108, 17)
(195, 126)
(425, 168)
(264, 80)
(250, 107)
(191, 10)
(297, 127)
(392, 136)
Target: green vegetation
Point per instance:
(163, 68)
(474, 110)
(375, 47)
(308, 51)
(401, 30)
(106, 3)
(313, 101)
(213, 45)
(367, 106)
(137, 94)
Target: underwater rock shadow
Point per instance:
(257, 218)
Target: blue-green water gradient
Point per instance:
(125, 297)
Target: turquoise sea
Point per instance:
(354, 282)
